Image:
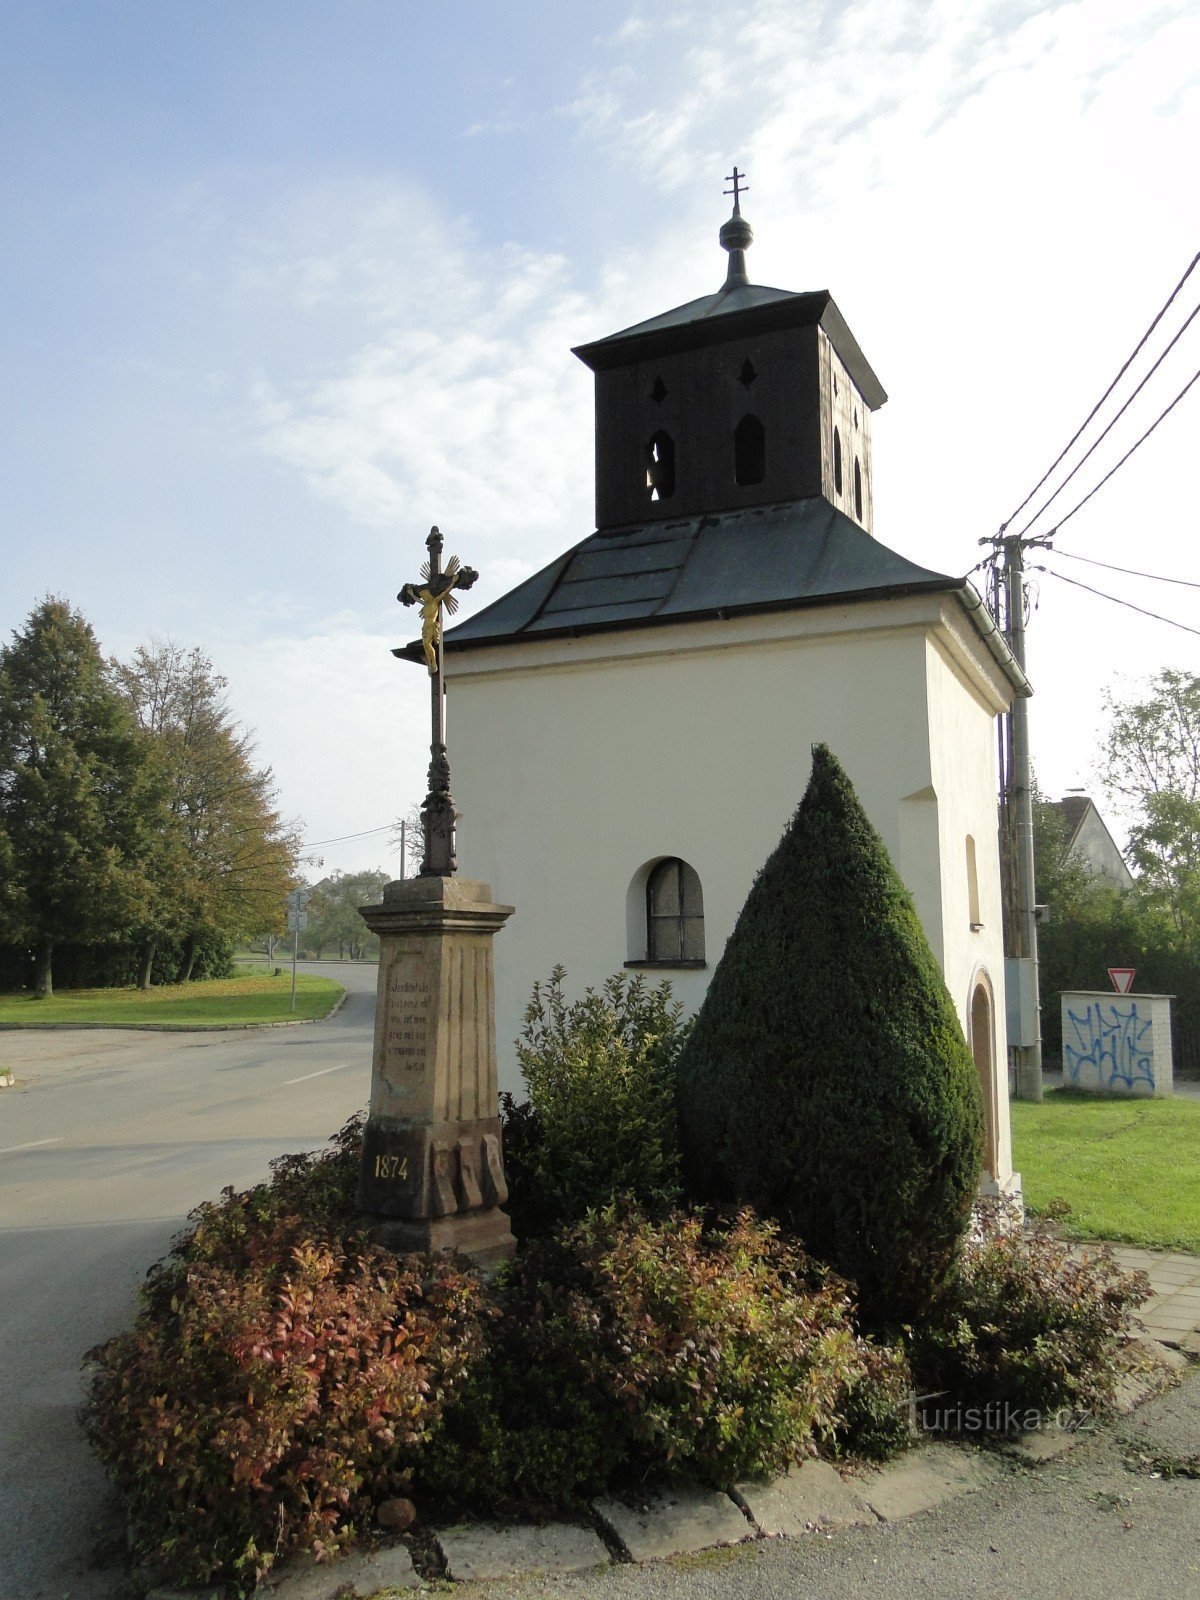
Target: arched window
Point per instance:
(837, 462)
(749, 450)
(857, 490)
(674, 913)
(660, 466)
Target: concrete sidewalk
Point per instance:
(1172, 1313)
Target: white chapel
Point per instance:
(630, 729)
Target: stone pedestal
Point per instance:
(432, 1176)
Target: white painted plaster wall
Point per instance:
(963, 744)
(577, 763)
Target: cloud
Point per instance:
(456, 402)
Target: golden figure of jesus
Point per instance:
(434, 594)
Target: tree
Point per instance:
(81, 799)
(333, 912)
(230, 860)
(1153, 767)
(827, 1080)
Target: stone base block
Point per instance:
(485, 1236)
(483, 1554)
(673, 1522)
(813, 1496)
(359, 1574)
(921, 1481)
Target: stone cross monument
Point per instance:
(432, 1173)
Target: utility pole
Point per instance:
(297, 920)
(1017, 778)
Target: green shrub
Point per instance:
(280, 1379)
(655, 1346)
(876, 1407)
(1029, 1323)
(530, 1210)
(600, 1073)
(827, 1081)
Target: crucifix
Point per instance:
(740, 187)
(435, 593)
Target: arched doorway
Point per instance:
(983, 1048)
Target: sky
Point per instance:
(284, 283)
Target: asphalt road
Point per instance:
(1083, 1527)
(107, 1140)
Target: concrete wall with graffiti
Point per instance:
(1117, 1043)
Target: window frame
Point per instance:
(688, 891)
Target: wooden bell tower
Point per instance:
(750, 397)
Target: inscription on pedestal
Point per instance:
(431, 1171)
(407, 1019)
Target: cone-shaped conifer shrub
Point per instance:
(827, 1080)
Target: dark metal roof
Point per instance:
(769, 558)
(735, 311)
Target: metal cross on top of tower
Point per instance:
(433, 594)
(740, 187)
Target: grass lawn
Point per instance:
(211, 1002)
(1129, 1169)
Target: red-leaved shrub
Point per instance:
(279, 1380)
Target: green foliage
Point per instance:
(1106, 929)
(656, 1346)
(1153, 753)
(875, 1407)
(81, 799)
(333, 914)
(283, 1375)
(1028, 1322)
(136, 837)
(225, 862)
(827, 1081)
(600, 1073)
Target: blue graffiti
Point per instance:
(1114, 1040)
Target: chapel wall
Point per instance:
(963, 744)
(571, 779)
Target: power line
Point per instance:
(1130, 572)
(1157, 616)
(1104, 432)
(1161, 417)
(1137, 350)
(311, 844)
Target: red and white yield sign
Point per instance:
(1121, 978)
